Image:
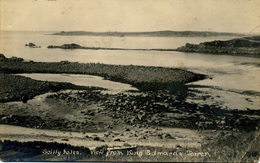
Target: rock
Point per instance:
(16, 59)
(91, 113)
(96, 138)
(126, 145)
(140, 117)
(2, 57)
(222, 133)
(32, 45)
(109, 127)
(4, 119)
(132, 120)
(25, 99)
(168, 136)
(117, 139)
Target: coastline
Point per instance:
(158, 113)
(246, 46)
(141, 77)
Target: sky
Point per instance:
(240, 16)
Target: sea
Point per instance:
(235, 82)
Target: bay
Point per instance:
(234, 74)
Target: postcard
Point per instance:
(130, 80)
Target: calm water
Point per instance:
(231, 74)
(12, 44)
(83, 80)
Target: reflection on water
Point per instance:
(83, 80)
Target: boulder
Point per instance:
(2, 56)
(16, 59)
(30, 44)
(96, 138)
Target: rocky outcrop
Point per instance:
(12, 59)
(15, 59)
(2, 57)
(247, 46)
(66, 46)
(32, 45)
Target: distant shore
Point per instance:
(76, 46)
(166, 33)
(246, 46)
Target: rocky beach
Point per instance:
(139, 124)
(130, 81)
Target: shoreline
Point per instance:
(245, 46)
(141, 77)
(158, 114)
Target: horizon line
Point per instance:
(126, 31)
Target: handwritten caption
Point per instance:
(140, 154)
(60, 152)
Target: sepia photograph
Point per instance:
(130, 81)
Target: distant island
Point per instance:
(148, 34)
(76, 46)
(246, 46)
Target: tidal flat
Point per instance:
(85, 120)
